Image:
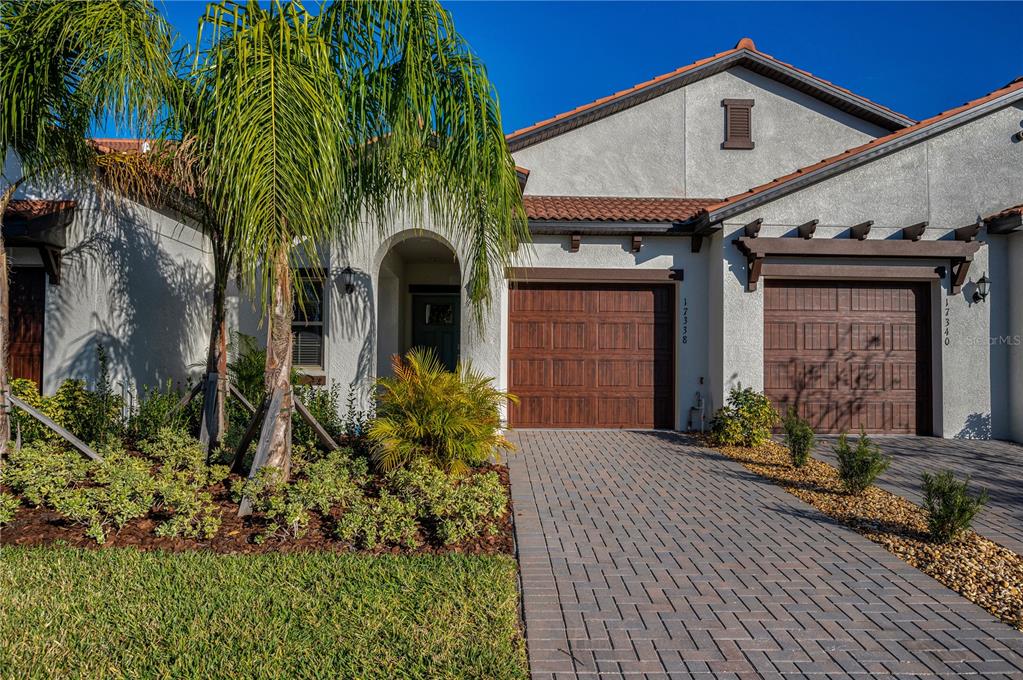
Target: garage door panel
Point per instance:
(609, 362)
(862, 362)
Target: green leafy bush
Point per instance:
(182, 483)
(121, 488)
(8, 506)
(859, 466)
(425, 411)
(950, 507)
(799, 437)
(746, 420)
(386, 520)
(455, 509)
(31, 429)
(41, 470)
(334, 481)
(324, 405)
(156, 409)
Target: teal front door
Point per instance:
(435, 324)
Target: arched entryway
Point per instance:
(418, 299)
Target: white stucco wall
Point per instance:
(132, 279)
(948, 181)
(671, 145)
(1012, 292)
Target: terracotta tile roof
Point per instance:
(744, 46)
(112, 145)
(1015, 86)
(613, 208)
(29, 209)
(1016, 210)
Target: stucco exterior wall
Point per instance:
(671, 145)
(1013, 342)
(135, 281)
(938, 180)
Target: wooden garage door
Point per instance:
(591, 355)
(850, 355)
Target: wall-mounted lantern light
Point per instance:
(347, 280)
(980, 294)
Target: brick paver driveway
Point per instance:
(996, 466)
(643, 554)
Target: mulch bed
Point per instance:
(975, 567)
(41, 526)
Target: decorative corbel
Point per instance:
(576, 239)
(860, 231)
(754, 265)
(806, 229)
(960, 268)
(637, 242)
(968, 233)
(51, 263)
(696, 243)
(914, 231)
(752, 229)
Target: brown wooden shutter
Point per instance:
(738, 123)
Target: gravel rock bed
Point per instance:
(980, 570)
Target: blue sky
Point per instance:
(918, 58)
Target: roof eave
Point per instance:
(599, 228)
(756, 61)
(857, 159)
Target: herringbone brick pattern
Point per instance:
(643, 555)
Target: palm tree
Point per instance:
(323, 123)
(66, 66)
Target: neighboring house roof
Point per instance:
(864, 153)
(744, 54)
(30, 209)
(112, 145)
(613, 208)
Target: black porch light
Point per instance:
(980, 294)
(347, 280)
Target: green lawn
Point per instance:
(122, 613)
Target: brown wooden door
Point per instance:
(28, 304)
(591, 355)
(850, 355)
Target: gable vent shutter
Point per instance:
(738, 124)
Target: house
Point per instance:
(736, 221)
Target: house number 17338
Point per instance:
(685, 320)
(948, 323)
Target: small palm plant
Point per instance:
(424, 411)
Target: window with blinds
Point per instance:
(307, 325)
(738, 123)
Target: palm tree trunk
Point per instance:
(216, 358)
(5, 324)
(278, 363)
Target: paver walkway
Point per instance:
(997, 466)
(644, 555)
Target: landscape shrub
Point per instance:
(455, 509)
(43, 469)
(950, 507)
(324, 404)
(248, 367)
(120, 488)
(745, 420)
(799, 437)
(334, 481)
(386, 520)
(355, 424)
(157, 408)
(182, 484)
(8, 506)
(860, 465)
(31, 429)
(451, 419)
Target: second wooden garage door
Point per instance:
(850, 356)
(591, 355)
